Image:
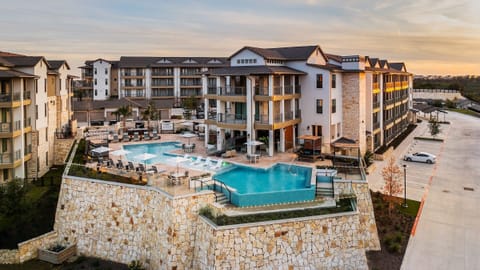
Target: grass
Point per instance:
(345, 205)
(412, 208)
(466, 111)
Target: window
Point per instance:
(5, 174)
(316, 130)
(95, 81)
(46, 134)
(45, 85)
(319, 80)
(46, 109)
(36, 86)
(338, 129)
(4, 145)
(95, 71)
(106, 92)
(319, 105)
(95, 92)
(46, 158)
(36, 112)
(334, 81)
(334, 105)
(106, 71)
(106, 81)
(60, 84)
(238, 61)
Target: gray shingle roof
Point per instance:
(255, 70)
(24, 61)
(398, 66)
(5, 63)
(281, 53)
(56, 64)
(334, 57)
(15, 74)
(155, 61)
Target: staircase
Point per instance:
(221, 198)
(323, 191)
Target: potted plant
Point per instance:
(58, 253)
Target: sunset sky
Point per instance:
(430, 36)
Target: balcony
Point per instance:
(376, 85)
(289, 89)
(376, 125)
(27, 122)
(212, 90)
(11, 160)
(388, 102)
(233, 121)
(134, 94)
(261, 91)
(6, 158)
(277, 90)
(388, 86)
(376, 104)
(162, 72)
(162, 93)
(232, 91)
(133, 73)
(388, 121)
(84, 84)
(162, 84)
(261, 119)
(190, 72)
(28, 149)
(190, 92)
(133, 85)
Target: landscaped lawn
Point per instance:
(393, 230)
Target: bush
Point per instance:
(394, 248)
(135, 265)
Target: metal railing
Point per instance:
(165, 72)
(27, 122)
(376, 125)
(387, 102)
(278, 118)
(289, 116)
(133, 93)
(26, 95)
(261, 91)
(232, 91)
(6, 158)
(231, 118)
(5, 127)
(133, 73)
(162, 93)
(28, 149)
(162, 83)
(142, 84)
(222, 187)
(261, 118)
(288, 89)
(212, 90)
(277, 90)
(190, 92)
(212, 115)
(376, 104)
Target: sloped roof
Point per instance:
(255, 70)
(281, 53)
(9, 54)
(155, 61)
(5, 63)
(15, 74)
(398, 66)
(56, 64)
(25, 61)
(334, 57)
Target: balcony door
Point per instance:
(317, 130)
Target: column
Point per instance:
(250, 112)
(220, 138)
(282, 140)
(271, 142)
(148, 83)
(270, 102)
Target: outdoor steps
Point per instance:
(324, 192)
(220, 198)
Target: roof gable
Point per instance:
(26, 61)
(400, 66)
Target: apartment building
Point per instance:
(351, 102)
(273, 94)
(29, 87)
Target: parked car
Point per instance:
(420, 157)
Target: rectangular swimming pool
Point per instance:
(281, 183)
(161, 151)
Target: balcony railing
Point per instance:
(133, 73)
(5, 127)
(261, 91)
(288, 89)
(6, 158)
(162, 93)
(388, 102)
(261, 118)
(162, 83)
(232, 91)
(376, 104)
(212, 90)
(84, 84)
(278, 118)
(376, 125)
(190, 92)
(289, 116)
(138, 84)
(28, 149)
(189, 72)
(18, 154)
(26, 95)
(167, 72)
(212, 115)
(27, 122)
(9, 97)
(232, 118)
(277, 90)
(134, 94)
(388, 121)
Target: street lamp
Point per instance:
(405, 186)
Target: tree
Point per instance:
(434, 127)
(149, 113)
(393, 186)
(188, 105)
(123, 112)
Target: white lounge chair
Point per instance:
(208, 162)
(198, 161)
(217, 166)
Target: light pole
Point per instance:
(405, 186)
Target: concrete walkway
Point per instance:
(447, 235)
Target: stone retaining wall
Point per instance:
(28, 250)
(62, 148)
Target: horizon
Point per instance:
(430, 37)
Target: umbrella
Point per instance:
(177, 160)
(254, 143)
(101, 149)
(189, 135)
(144, 157)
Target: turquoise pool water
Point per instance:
(159, 149)
(281, 183)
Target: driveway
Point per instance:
(447, 235)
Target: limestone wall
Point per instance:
(62, 148)
(354, 109)
(9, 256)
(28, 250)
(326, 242)
(125, 222)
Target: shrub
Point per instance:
(394, 248)
(135, 265)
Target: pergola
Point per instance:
(345, 144)
(312, 148)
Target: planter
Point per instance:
(57, 257)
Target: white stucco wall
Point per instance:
(101, 85)
(247, 54)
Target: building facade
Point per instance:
(274, 95)
(35, 104)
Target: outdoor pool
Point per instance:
(160, 150)
(280, 183)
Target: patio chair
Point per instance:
(110, 163)
(125, 137)
(130, 166)
(136, 137)
(208, 162)
(217, 166)
(155, 135)
(115, 138)
(120, 164)
(140, 168)
(146, 136)
(198, 161)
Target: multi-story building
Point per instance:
(275, 94)
(34, 104)
(283, 93)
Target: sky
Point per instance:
(430, 36)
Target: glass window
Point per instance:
(334, 81)
(334, 105)
(319, 80)
(319, 105)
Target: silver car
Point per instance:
(420, 157)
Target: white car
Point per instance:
(420, 157)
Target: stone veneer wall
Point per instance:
(32, 163)
(368, 227)
(27, 250)
(62, 148)
(322, 242)
(353, 108)
(124, 222)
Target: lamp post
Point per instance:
(405, 186)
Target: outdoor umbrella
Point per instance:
(120, 152)
(254, 143)
(188, 136)
(144, 157)
(177, 160)
(101, 149)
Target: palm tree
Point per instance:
(149, 113)
(124, 112)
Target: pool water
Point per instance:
(161, 150)
(281, 183)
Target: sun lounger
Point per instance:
(136, 137)
(198, 161)
(130, 166)
(115, 138)
(146, 136)
(140, 168)
(217, 166)
(125, 137)
(120, 164)
(208, 162)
